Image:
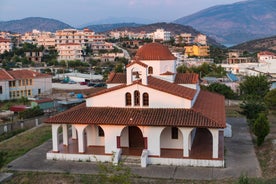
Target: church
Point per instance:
(150, 112)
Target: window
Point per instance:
(174, 133)
(1, 90)
(100, 132)
(19, 82)
(150, 70)
(145, 99)
(128, 99)
(136, 98)
(31, 81)
(39, 91)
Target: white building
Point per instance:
(161, 34)
(149, 112)
(69, 51)
(27, 83)
(5, 45)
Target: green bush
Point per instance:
(261, 128)
(29, 113)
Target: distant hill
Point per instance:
(30, 23)
(264, 44)
(108, 27)
(235, 23)
(172, 27)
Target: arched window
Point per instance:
(100, 132)
(128, 99)
(136, 98)
(145, 99)
(150, 70)
(174, 133)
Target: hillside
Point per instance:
(235, 23)
(30, 23)
(172, 27)
(258, 45)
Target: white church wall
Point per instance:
(124, 138)
(167, 141)
(153, 137)
(117, 98)
(111, 132)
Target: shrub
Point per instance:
(33, 112)
(261, 128)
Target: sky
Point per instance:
(81, 12)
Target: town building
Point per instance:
(184, 38)
(151, 112)
(197, 50)
(5, 45)
(161, 34)
(23, 83)
(35, 56)
(69, 51)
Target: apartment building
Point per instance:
(184, 38)
(197, 50)
(161, 34)
(69, 51)
(23, 83)
(5, 45)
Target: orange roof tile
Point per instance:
(4, 40)
(167, 73)
(135, 116)
(4, 75)
(116, 78)
(171, 88)
(154, 51)
(186, 78)
(211, 105)
(136, 61)
(27, 74)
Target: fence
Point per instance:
(23, 124)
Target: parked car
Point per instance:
(100, 85)
(83, 83)
(91, 84)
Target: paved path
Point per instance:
(240, 158)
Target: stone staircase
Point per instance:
(131, 160)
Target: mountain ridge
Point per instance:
(235, 23)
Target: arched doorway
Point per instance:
(135, 137)
(202, 144)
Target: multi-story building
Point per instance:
(197, 50)
(47, 40)
(69, 51)
(23, 83)
(35, 56)
(184, 38)
(200, 39)
(5, 45)
(236, 56)
(161, 34)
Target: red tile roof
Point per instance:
(211, 105)
(116, 78)
(136, 61)
(186, 78)
(167, 73)
(157, 84)
(135, 116)
(154, 51)
(27, 74)
(4, 40)
(266, 53)
(4, 75)
(171, 88)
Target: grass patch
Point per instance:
(8, 135)
(20, 144)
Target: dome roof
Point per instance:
(154, 51)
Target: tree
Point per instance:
(222, 89)
(251, 108)
(254, 86)
(261, 128)
(270, 99)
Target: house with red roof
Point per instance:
(5, 45)
(150, 113)
(23, 83)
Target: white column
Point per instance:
(215, 135)
(65, 134)
(110, 137)
(89, 135)
(81, 144)
(186, 140)
(55, 137)
(74, 132)
(154, 135)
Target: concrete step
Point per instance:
(131, 160)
